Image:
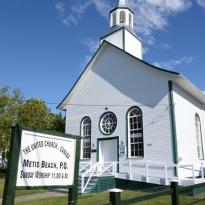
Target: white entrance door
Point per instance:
(108, 150)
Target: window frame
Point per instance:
(100, 124)
(83, 138)
(199, 137)
(114, 18)
(129, 134)
(122, 17)
(130, 20)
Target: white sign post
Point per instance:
(42, 159)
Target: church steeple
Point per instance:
(123, 3)
(121, 32)
(122, 15)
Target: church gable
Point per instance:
(115, 83)
(117, 78)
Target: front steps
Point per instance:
(90, 186)
(96, 184)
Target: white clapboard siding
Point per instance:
(116, 82)
(185, 109)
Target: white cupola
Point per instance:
(121, 32)
(122, 15)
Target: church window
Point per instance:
(122, 16)
(135, 133)
(130, 20)
(86, 138)
(108, 123)
(114, 19)
(200, 151)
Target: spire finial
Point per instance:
(123, 3)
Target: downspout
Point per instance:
(173, 125)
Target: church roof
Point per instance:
(117, 28)
(177, 78)
(121, 8)
(123, 3)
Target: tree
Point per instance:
(57, 123)
(34, 113)
(31, 113)
(9, 104)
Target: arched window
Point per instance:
(122, 16)
(114, 19)
(130, 20)
(86, 138)
(200, 150)
(135, 133)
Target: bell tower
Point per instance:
(122, 15)
(121, 32)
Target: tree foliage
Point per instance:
(57, 123)
(34, 113)
(31, 113)
(9, 103)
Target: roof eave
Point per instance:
(190, 88)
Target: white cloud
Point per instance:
(60, 6)
(171, 64)
(164, 46)
(75, 13)
(72, 15)
(201, 3)
(102, 6)
(145, 50)
(78, 8)
(70, 20)
(151, 15)
(91, 44)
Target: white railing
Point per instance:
(148, 167)
(83, 187)
(167, 171)
(84, 166)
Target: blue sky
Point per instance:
(45, 44)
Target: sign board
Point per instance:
(121, 150)
(45, 160)
(40, 158)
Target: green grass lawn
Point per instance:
(103, 198)
(99, 199)
(20, 192)
(1, 187)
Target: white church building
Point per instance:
(137, 121)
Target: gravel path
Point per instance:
(31, 197)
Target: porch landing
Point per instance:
(160, 174)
